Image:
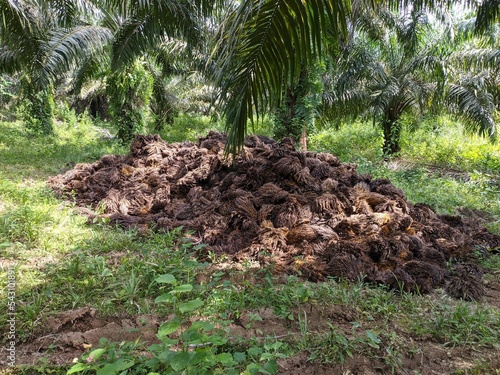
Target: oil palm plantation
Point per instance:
(264, 44)
(151, 41)
(399, 66)
(44, 40)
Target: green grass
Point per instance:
(62, 262)
(446, 144)
(190, 128)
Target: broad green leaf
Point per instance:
(274, 346)
(166, 279)
(165, 297)
(115, 367)
(225, 359)
(271, 367)
(254, 351)
(190, 263)
(166, 356)
(218, 340)
(152, 363)
(169, 327)
(77, 368)
(182, 289)
(97, 353)
(254, 369)
(180, 361)
(202, 324)
(193, 337)
(239, 357)
(266, 356)
(191, 305)
(199, 356)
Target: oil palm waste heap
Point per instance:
(306, 213)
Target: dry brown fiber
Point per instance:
(305, 213)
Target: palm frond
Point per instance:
(66, 46)
(151, 21)
(93, 67)
(21, 29)
(263, 47)
(487, 14)
(91, 89)
(474, 106)
(8, 61)
(16, 16)
(473, 58)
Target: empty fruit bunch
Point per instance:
(306, 213)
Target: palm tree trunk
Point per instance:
(303, 138)
(38, 108)
(392, 134)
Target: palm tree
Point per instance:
(474, 90)
(166, 36)
(387, 71)
(43, 40)
(407, 67)
(263, 47)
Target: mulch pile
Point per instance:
(307, 213)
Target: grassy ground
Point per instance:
(221, 317)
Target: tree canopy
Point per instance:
(253, 49)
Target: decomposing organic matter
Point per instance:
(306, 213)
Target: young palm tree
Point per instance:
(387, 71)
(406, 67)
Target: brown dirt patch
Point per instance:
(68, 334)
(431, 359)
(305, 213)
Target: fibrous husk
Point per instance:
(305, 213)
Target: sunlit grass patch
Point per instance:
(350, 143)
(448, 145)
(463, 324)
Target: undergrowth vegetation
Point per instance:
(62, 262)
